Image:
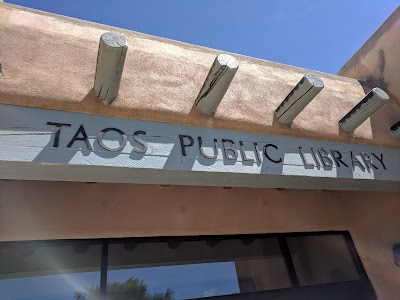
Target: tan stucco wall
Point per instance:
(49, 61)
(377, 63)
(40, 210)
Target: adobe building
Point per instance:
(146, 168)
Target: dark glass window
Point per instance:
(48, 272)
(322, 259)
(200, 268)
(275, 266)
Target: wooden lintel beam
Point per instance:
(216, 84)
(110, 64)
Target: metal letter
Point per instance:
(243, 153)
(325, 159)
(203, 153)
(367, 161)
(337, 157)
(57, 133)
(315, 157)
(183, 145)
(303, 158)
(101, 143)
(257, 152)
(84, 138)
(380, 159)
(355, 161)
(267, 156)
(140, 141)
(227, 148)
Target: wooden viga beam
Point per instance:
(396, 253)
(216, 84)
(364, 109)
(302, 94)
(110, 64)
(395, 130)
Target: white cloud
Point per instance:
(209, 293)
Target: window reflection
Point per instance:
(184, 268)
(48, 272)
(199, 269)
(322, 259)
(183, 281)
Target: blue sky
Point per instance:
(187, 281)
(315, 34)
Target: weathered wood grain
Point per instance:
(374, 100)
(216, 84)
(395, 130)
(110, 64)
(301, 95)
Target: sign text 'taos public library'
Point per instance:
(231, 150)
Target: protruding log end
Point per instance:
(395, 130)
(364, 109)
(110, 64)
(302, 94)
(396, 253)
(216, 84)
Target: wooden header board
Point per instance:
(40, 144)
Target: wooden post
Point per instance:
(364, 109)
(395, 130)
(216, 84)
(110, 63)
(302, 94)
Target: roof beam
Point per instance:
(302, 94)
(110, 64)
(395, 130)
(216, 84)
(364, 109)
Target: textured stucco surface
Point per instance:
(377, 63)
(44, 210)
(49, 61)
